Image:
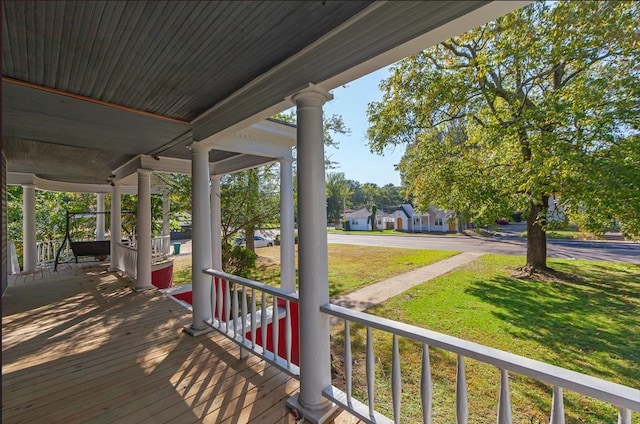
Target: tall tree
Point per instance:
(337, 194)
(547, 96)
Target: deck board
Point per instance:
(79, 345)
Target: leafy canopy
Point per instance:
(544, 101)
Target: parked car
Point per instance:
(502, 221)
(258, 241)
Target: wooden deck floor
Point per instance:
(81, 346)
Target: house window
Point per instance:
(438, 222)
(379, 222)
(354, 222)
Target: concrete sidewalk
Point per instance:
(369, 296)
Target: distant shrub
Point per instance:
(238, 260)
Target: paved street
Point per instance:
(507, 244)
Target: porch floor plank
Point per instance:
(79, 345)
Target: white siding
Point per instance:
(359, 224)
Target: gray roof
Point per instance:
(96, 83)
(365, 213)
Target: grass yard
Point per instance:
(366, 233)
(565, 234)
(589, 322)
(391, 233)
(350, 267)
(353, 267)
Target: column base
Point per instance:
(316, 416)
(195, 332)
(141, 289)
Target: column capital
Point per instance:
(196, 147)
(144, 171)
(312, 95)
(286, 159)
(216, 177)
(29, 185)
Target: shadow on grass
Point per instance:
(590, 323)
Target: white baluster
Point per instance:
(276, 327)
(370, 371)
(214, 295)
(557, 406)
(234, 303)
(244, 312)
(462, 408)
(220, 302)
(624, 416)
(426, 386)
(504, 401)
(253, 318)
(288, 331)
(263, 323)
(227, 304)
(347, 361)
(396, 380)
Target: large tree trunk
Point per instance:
(536, 236)
(249, 232)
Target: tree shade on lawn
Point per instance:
(586, 320)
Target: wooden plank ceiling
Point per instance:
(124, 78)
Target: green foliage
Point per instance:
(338, 192)
(51, 210)
(249, 200)
(372, 218)
(386, 197)
(541, 101)
(238, 260)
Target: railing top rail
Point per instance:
(614, 393)
(125, 246)
(293, 297)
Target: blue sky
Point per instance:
(353, 155)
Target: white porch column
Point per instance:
(201, 240)
(116, 224)
(143, 245)
(315, 372)
(100, 216)
(29, 250)
(166, 206)
(216, 223)
(287, 231)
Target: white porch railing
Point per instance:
(243, 311)
(624, 398)
(46, 251)
(161, 246)
(127, 259)
(127, 254)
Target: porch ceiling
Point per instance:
(89, 85)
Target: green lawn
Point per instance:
(564, 234)
(367, 233)
(389, 233)
(353, 267)
(350, 267)
(588, 323)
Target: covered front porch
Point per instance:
(79, 345)
(140, 97)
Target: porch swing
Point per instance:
(100, 249)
